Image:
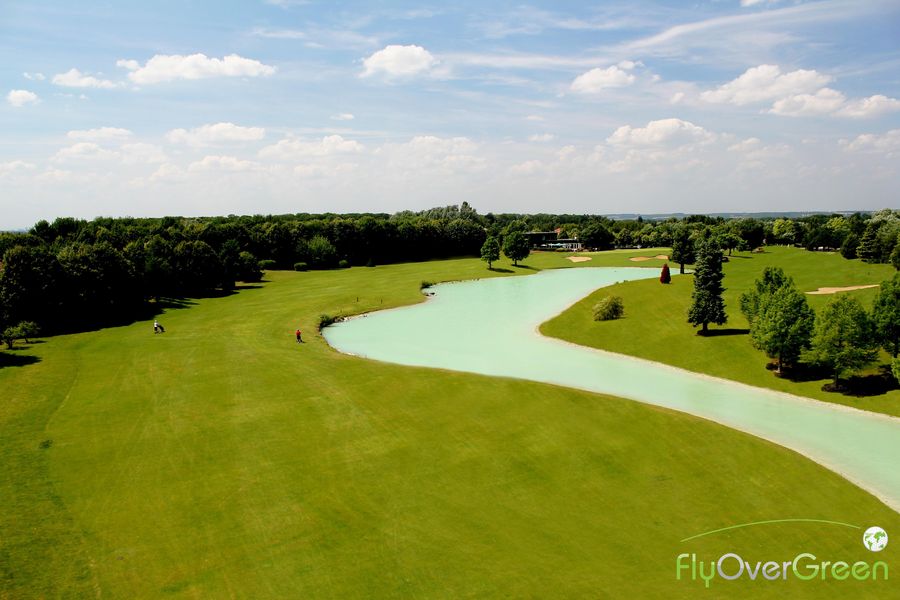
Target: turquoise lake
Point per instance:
(490, 327)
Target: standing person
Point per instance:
(155, 326)
(299, 338)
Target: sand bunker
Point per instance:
(643, 258)
(579, 258)
(835, 290)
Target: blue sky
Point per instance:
(137, 108)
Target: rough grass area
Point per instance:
(655, 326)
(222, 459)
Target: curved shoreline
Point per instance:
(877, 491)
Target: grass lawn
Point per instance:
(222, 459)
(655, 322)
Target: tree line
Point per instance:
(71, 274)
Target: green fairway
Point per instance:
(222, 459)
(655, 322)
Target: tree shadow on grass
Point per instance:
(858, 386)
(530, 268)
(500, 270)
(12, 359)
(721, 332)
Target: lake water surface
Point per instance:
(490, 327)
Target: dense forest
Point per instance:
(72, 275)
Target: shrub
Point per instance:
(895, 367)
(300, 266)
(325, 320)
(370, 262)
(425, 284)
(343, 264)
(665, 276)
(609, 308)
(266, 265)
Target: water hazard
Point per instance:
(490, 327)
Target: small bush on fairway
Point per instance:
(266, 265)
(425, 284)
(665, 276)
(609, 308)
(343, 264)
(300, 266)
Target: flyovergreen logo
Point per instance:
(804, 566)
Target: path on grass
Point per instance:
(490, 327)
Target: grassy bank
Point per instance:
(222, 459)
(655, 324)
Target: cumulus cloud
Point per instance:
(171, 67)
(141, 154)
(449, 155)
(399, 61)
(13, 166)
(292, 149)
(34, 76)
(215, 133)
(597, 80)
(887, 142)
(343, 117)
(766, 83)
(823, 102)
(661, 133)
(84, 151)
(75, 78)
(873, 106)
(224, 163)
(747, 3)
(100, 134)
(541, 137)
(20, 98)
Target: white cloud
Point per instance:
(823, 102)
(292, 149)
(224, 163)
(20, 98)
(887, 142)
(131, 65)
(449, 155)
(676, 98)
(8, 168)
(541, 137)
(141, 154)
(534, 118)
(873, 106)
(75, 78)
(765, 83)
(528, 167)
(399, 61)
(171, 67)
(343, 117)
(746, 3)
(100, 134)
(34, 76)
(597, 80)
(215, 133)
(84, 151)
(661, 133)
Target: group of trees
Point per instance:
(844, 337)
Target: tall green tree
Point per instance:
(515, 247)
(682, 247)
(886, 315)
(773, 278)
(707, 305)
(844, 337)
(783, 325)
(490, 251)
(868, 245)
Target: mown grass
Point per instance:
(223, 459)
(655, 324)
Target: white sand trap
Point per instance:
(579, 258)
(643, 258)
(835, 290)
